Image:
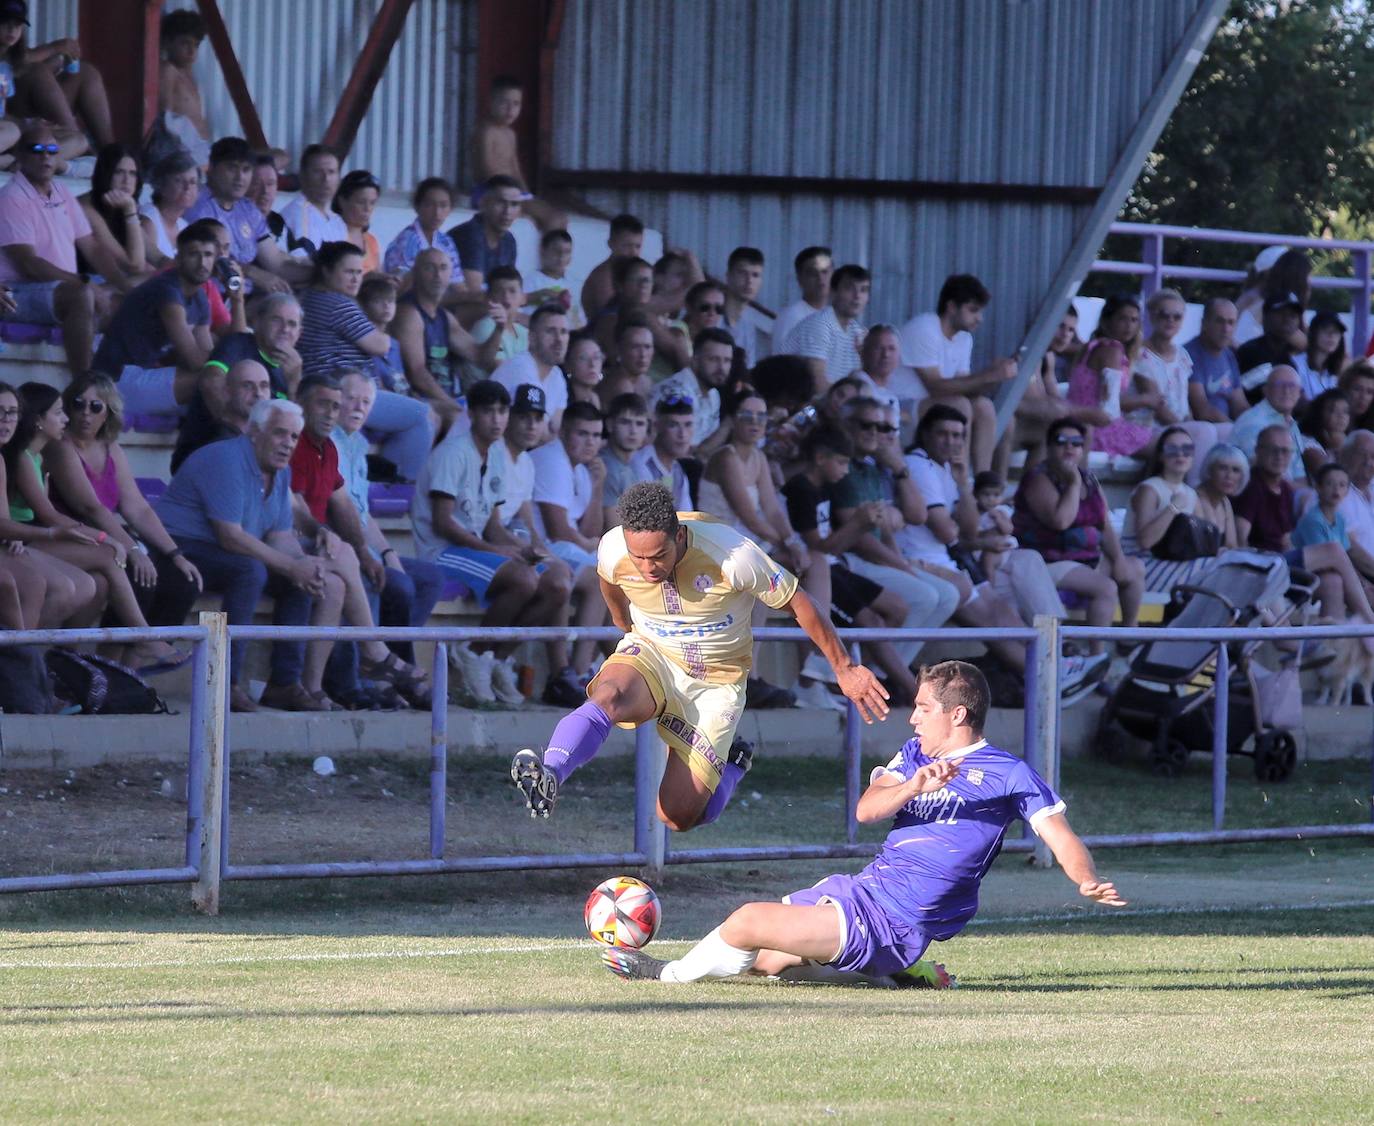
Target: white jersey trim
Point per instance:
(1040, 814)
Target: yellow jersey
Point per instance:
(699, 618)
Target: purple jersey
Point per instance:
(942, 844)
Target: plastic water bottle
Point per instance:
(73, 66)
(1111, 401)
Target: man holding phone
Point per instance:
(458, 526)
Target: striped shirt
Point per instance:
(331, 326)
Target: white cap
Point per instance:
(1266, 258)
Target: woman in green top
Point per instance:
(102, 558)
(51, 593)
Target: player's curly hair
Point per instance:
(957, 684)
(648, 507)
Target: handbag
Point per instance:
(1188, 537)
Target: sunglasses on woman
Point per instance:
(880, 427)
(1066, 440)
(50, 148)
(90, 406)
(1172, 450)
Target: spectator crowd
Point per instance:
(305, 367)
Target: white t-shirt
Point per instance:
(455, 469)
(1358, 511)
(940, 490)
(925, 345)
(558, 481)
(705, 405)
(901, 396)
(519, 486)
(307, 223)
(538, 280)
(821, 337)
(752, 333)
(788, 319)
(523, 369)
(1170, 377)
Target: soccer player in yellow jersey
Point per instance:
(682, 587)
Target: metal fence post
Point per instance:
(438, 752)
(853, 754)
(1030, 713)
(1220, 734)
(1047, 714)
(195, 757)
(1360, 261)
(651, 835)
(1152, 254)
(205, 892)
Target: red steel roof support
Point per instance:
(233, 73)
(367, 72)
(121, 38)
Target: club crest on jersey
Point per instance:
(702, 583)
(774, 580)
(975, 776)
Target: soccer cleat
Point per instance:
(632, 965)
(504, 681)
(535, 781)
(741, 754)
(925, 975)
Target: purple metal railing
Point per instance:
(1154, 270)
(650, 849)
(182, 874)
(650, 838)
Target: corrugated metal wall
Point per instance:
(297, 56)
(1030, 92)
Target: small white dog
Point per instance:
(1353, 665)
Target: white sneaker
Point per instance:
(503, 680)
(816, 667)
(816, 695)
(476, 672)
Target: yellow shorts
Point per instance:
(696, 719)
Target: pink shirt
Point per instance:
(51, 225)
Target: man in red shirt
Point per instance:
(327, 522)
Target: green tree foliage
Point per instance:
(1274, 133)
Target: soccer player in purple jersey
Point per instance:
(952, 796)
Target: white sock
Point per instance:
(711, 957)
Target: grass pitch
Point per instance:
(1231, 1017)
(1238, 987)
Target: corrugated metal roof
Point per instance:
(297, 56)
(1002, 92)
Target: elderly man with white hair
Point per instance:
(1282, 391)
(1357, 455)
(229, 510)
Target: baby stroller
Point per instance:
(1168, 695)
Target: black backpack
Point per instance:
(25, 688)
(99, 686)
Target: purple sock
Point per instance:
(725, 789)
(576, 739)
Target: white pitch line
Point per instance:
(568, 944)
(1148, 912)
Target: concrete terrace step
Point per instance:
(74, 742)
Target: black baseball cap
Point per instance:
(1283, 301)
(487, 393)
(529, 399)
(11, 10)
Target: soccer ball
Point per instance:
(622, 911)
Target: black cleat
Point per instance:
(632, 965)
(741, 754)
(535, 781)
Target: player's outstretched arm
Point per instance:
(1077, 861)
(888, 793)
(855, 681)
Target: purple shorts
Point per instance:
(871, 942)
